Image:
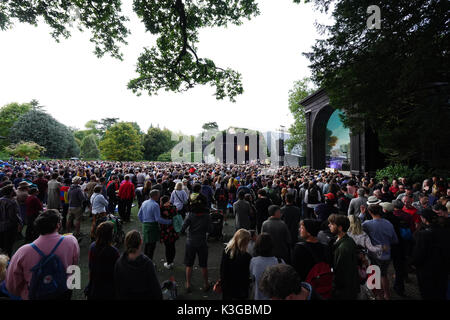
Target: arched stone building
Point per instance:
(364, 155)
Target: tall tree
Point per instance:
(157, 142)
(8, 116)
(300, 90)
(122, 143)
(393, 80)
(42, 128)
(210, 126)
(89, 148)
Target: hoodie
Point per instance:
(76, 196)
(136, 279)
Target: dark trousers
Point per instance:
(170, 251)
(65, 210)
(125, 209)
(30, 233)
(7, 239)
(111, 206)
(399, 262)
(149, 249)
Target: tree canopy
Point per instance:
(301, 89)
(89, 148)
(156, 142)
(8, 116)
(122, 142)
(42, 128)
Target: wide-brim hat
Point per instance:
(373, 200)
(388, 206)
(24, 184)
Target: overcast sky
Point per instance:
(75, 86)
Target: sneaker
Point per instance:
(168, 266)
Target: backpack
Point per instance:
(405, 231)
(313, 198)
(177, 222)
(49, 277)
(320, 277)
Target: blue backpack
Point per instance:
(49, 277)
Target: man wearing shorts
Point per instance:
(198, 223)
(76, 199)
(381, 232)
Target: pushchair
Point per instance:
(118, 233)
(217, 224)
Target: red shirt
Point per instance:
(412, 212)
(33, 206)
(126, 191)
(393, 189)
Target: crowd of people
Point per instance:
(299, 233)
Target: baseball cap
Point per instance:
(330, 196)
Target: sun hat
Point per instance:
(373, 200)
(388, 206)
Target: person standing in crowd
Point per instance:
(310, 251)
(355, 204)
(381, 232)
(76, 199)
(53, 196)
(241, 209)
(99, 208)
(126, 197)
(42, 185)
(102, 259)
(431, 256)
(134, 273)
(397, 249)
(64, 196)
(279, 232)
(111, 190)
(312, 198)
(263, 258)
(33, 208)
(19, 273)
(198, 223)
(324, 210)
(150, 217)
(356, 232)
(10, 221)
(234, 267)
(262, 209)
(282, 282)
(345, 262)
(168, 234)
(179, 198)
(291, 215)
(21, 197)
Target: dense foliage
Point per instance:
(122, 142)
(42, 128)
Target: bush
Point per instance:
(395, 171)
(165, 157)
(25, 149)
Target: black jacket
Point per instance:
(291, 215)
(136, 280)
(235, 275)
(431, 258)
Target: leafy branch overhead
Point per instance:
(173, 64)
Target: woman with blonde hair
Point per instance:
(179, 199)
(235, 267)
(355, 231)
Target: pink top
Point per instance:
(18, 276)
